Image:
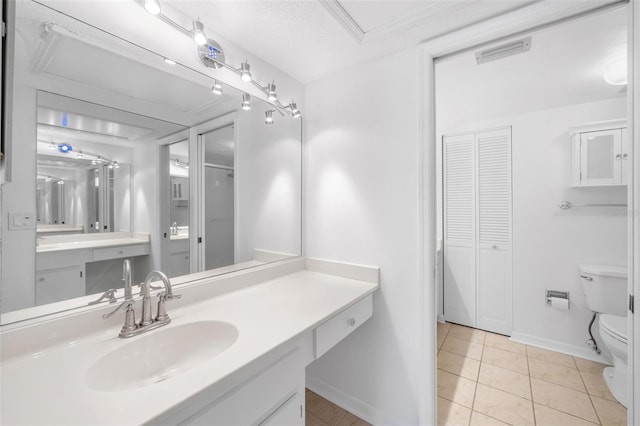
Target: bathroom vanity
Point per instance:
(234, 353)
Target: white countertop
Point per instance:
(83, 241)
(47, 385)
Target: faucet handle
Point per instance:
(170, 297)
(126, 304)
(109, 294)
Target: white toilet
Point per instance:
(605, 288)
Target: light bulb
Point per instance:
(245, 72)
(217, 88)
(152, 6)
(271, 92)
(269, 116)
(198, 33)
(169, 61)
(246, 102)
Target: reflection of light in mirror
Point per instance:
(615, 71)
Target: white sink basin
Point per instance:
(160, 355)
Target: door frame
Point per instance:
(512, 24)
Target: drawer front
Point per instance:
(330, 332)
(120, 252)
(60, 259)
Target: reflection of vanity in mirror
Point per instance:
(119, 163)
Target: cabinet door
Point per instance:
(601, 157)
(291, 413)
(625, 167)
(55, 285)
(494, 231)
(459, 229)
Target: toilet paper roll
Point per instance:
(559, 303)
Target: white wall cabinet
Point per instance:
(53, 285)
(178, 257)
(477, 230)
(600, 154)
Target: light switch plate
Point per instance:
(19, 221)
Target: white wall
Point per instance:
(361, 206)
(548, 243)
(268, 183)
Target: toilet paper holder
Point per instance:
(555, 294)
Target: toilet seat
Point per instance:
(615, 326)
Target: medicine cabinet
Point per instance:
(600, 154)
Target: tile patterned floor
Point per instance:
(486, 379)
(321, 412)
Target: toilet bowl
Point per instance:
(613, 330)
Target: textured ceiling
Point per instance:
(564, 67)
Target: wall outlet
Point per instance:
(19, 221)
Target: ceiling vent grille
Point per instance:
(502, 51)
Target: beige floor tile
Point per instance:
(452, 414)
(479, 419)
(502, 342)
(456, 364)
(546, 416)
(505, 359)
(462, 347)
(456, 388)
(550, 356)
(443, 328)
(467, 333)
(323, 409)
(505, 380)
(589, 366)
(555, 373)
(351, 420)
(440, 339)
(503, 406)
(596, 385)
(311, 420)
(611, 413)
(563, 399)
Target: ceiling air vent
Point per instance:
(508, 49)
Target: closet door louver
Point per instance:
(493, 188)
(459, 229)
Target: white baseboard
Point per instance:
(353, 405)
(556, 346)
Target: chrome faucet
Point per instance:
(130, 327)
(126, 277)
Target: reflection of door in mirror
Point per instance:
(178, 257)
(219, 197)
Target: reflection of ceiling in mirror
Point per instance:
(68, 52)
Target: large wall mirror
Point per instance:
(135, 158)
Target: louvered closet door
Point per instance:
(459, 230)
(493, 187)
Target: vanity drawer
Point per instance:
(330, 332)
(120, 252)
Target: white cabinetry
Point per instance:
(477, 230)
(178, 257)
(600, 154)
(53, 285)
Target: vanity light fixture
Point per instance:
(245, 72)
(615, 71)
(217, 88)
(169, 61)
(60, 182)
(268, 116)
(271, 92)
(79, 155)
(65, 148)
(152, 6)
(53, 146)
(198, 33)
(94, 162)
(246, 101)
(212, 55)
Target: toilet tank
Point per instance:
(605, 288)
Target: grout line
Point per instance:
(588, 393)
(533, 405)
